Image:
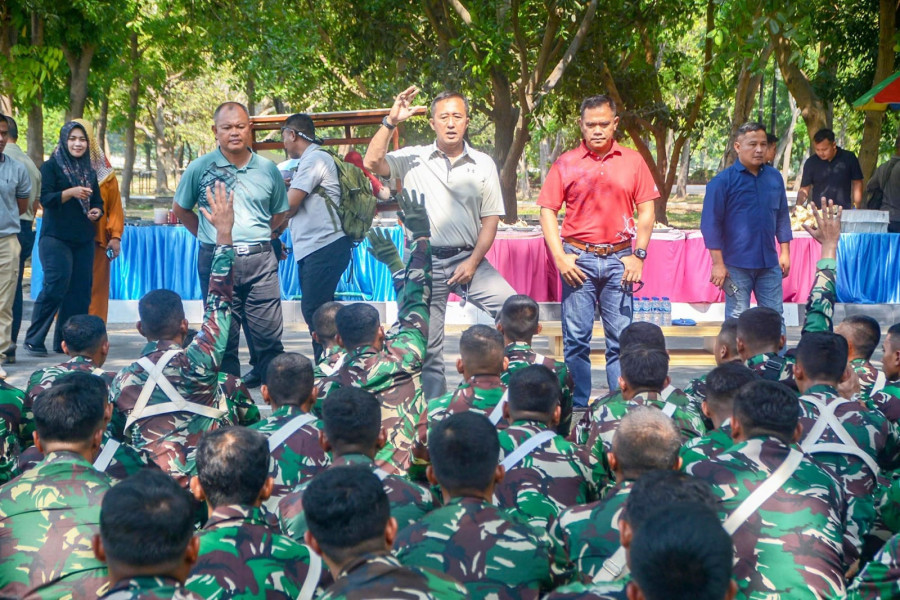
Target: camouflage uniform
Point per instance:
(707, 447)
(589, 534)
(550, 478)
(783, 364)
(42, 379)
(394, 373)
(793, 546)
(125, 462)
(867, 374)
(150, 588)
(382, 576)
(409, 502)
(492, 552)
(48, 518)
(874, 435)
(12, 411)
(880, 579)
(480, 393)
(888, 401)
(237, 395)
(591, 591)
(522, 355)
(172, 437)
(299, 458)
(331, 360)
(243, 556)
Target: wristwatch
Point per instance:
(386, 123)
(640, 253)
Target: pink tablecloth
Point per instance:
(677, 266)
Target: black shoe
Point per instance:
(252, 379)
(10, 355)
(35, 350)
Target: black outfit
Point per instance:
(26, 241)
(320, 273)
(67, 256)
(887, 179)
(832, 178)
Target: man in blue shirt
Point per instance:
(744, 211)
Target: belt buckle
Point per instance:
(242, 249)
(599, 249)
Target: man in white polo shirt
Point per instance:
(462, 196)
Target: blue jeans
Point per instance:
(765, 283)
(604, 287)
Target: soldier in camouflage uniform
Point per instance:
(722, 385)
(353, 434)
(724, 351)
(390, 365)
(519, 323)
(171, 396)
(544, 473)
(147, 539)
(880, 579)
(492, 552)
(325, 333)
(293, 430)
(117, 459)
(12, 411)
(888, 399)
(241, 553)
(351, 527)
(794, 544)
(863, 333)
(49, 514)
(646, 440)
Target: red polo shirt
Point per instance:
(600, 194)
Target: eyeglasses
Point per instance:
(629, 288)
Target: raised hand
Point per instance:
(413, 214)
(827, 230)
(220, 213)
(402, 108)
(382, 248)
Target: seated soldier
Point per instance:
(325, 334)
(293, 430)
(495, 553)
(722, 385)
(644, 375)
(241, 552)
(519, 323)
(645, 441)
(12, 438)
(353, 434)
(646, 335)
(855, 442)
(653, 492)
(887, 400)
(880, 578)
(544, 473)
(724, 351)
(863, 333)
(147, 539)
(49, 514)
(789, 540)
(351, 527)
(117, 459)
(759, 342)
(171, 395)
(390, 364)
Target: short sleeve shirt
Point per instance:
(600, 194)
(458, 192)
(832, 178)
(314, 226)
(14, 183)
(259, 193)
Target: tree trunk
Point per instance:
(251, 93)
(35, 136)
(103, 121)
(788, 147)
(884, 66)
(544, 160)
(134, 94)
(748, 83)
(813, 109)
(164, 161)
(7, 35)
(79, 68)
(683, 170)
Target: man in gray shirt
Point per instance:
(462, 196)
(887, 180)
(15, 187)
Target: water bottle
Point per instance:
(637, 311)
(645, 310)
(655, 311)
(667, 312)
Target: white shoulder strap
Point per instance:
(497, 413)
(381, 474)
(667, 392)
(313, 575)
(669, 409)
(289, 429)
(614, 567)
(530, 445)
(98, 372)
(106, 455)
(539, 358)
(765, 490)
(880, 382)
(329, 370)
(827, 419)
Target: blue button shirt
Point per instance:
(743, 213)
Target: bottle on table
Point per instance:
(655, 311)
(666, 312)
(637, 313)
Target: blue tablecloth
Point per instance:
(166, 257)
(869, 268)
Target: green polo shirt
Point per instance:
(259, 193)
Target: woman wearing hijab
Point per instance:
(72, 204)
(109, 227)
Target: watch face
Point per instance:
(640, 253)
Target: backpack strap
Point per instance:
(614, 567)
(772, 368)
(880, 382)
(497, 413)
(106, 455)
(381, 474)
(289, 429)
(313, 575)
(329, 370)
(828, 420)
(530, 445)
(762, 493)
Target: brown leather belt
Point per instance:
(599, 249)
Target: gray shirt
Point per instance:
(458, 193)
(13, 150)
(14, 184)
(314, 226)
(889, 186)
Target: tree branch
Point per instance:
(560, 68)
(461, 11)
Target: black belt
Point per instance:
(444, 252)
(245, 249)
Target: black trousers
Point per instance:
(68, 271)
(893, 227)
(320, 273)
(26, 242)
(257, 302)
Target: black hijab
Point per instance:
(77, 170)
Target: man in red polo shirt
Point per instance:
(601, 183)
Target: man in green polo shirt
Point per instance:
(260, 204)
